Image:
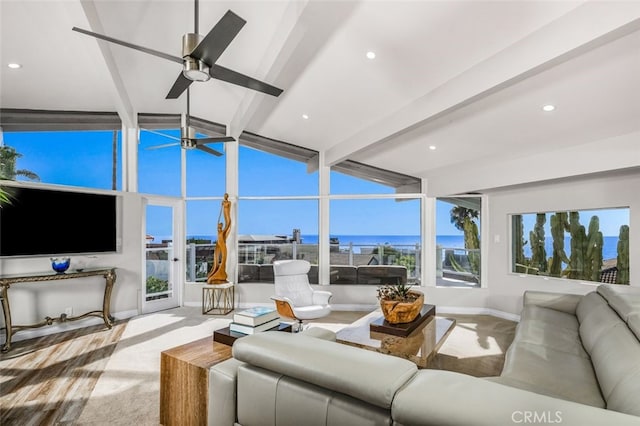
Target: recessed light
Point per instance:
(432, 147)
(548, 108)
(14, 66)
(305, 116)
(371, 55)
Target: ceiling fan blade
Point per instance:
(212, 140)
(155, 132)
(181, 84)
(163, 146)
(130, 45)
(218, 39)
(230, 76)
(209, 150)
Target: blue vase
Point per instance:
(60, 264)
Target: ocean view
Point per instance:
(610, 249)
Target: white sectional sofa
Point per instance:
(575, 360)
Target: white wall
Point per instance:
(32, 302)
(506, 289)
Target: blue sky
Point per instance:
(84, 159)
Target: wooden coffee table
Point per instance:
(419, 347)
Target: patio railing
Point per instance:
(395, 262)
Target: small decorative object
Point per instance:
(218, 273)
(60, 264)
(400, 304)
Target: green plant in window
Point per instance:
(463, 219)
(577, 268)
(559, 223)
(8, 157)
(518, 244)
(156, 285)
(538, 250)
(593, 252)
(8, 171)
(472, 243)
(623, 256)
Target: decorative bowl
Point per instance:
(60, 264)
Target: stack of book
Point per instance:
(254, 320)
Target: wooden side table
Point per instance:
(184, 381)
(218, 299)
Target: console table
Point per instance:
(6, 281)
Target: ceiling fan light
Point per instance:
(188, 143)
(195, 70)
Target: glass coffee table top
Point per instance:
(419, 347)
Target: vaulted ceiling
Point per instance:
(469, 78)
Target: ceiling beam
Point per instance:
(305, 27)
(586, 27)
(122, 103)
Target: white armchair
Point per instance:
(294, 296)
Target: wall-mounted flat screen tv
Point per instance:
(53, 222)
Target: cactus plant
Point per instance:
(593, 252)
(537, 239)
(623, 256)
(518, 244)
(558, 224)
(578, 266)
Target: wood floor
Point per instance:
(48, 380)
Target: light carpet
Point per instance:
(128, 391)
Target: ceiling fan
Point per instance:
(199, 55)
(188, 139)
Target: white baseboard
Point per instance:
(477, 311)
(67, 326)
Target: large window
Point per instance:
(88, 159)
(265, 174)
(375, 241)
(588, 245)
(458, 255)
(202, 222)
(270, 230)
(159, 159)
(206, 173)
(278, 207)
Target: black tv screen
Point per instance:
(53, 222)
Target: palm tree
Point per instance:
(8, 157)
(463, 219)
(459, 214)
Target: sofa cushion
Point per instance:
(539, 332)
(557, 301)
(625, 396)
(616, 357)
(435, 397)
(549, 316)
(634, 323)
(266, 398)
(547, 371)
(625, 300)
(352, 371)
(596, 319)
